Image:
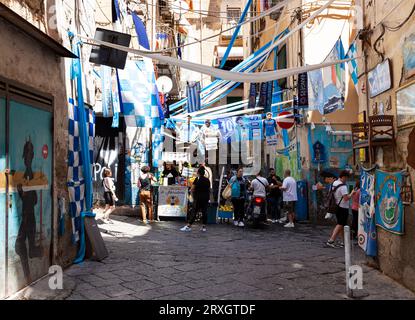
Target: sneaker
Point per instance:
(241, 224)
(235, 223)
(273, 221)
(289, 225)
(331, 243)
(203, 229)
(110, 221)
(340, 244)
(186, 229)
(283, 220)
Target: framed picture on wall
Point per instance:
(408, 53)
(380, 79)
(405, 105)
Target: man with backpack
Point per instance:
(338, 203)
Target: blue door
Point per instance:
(29, 226)
(301, 209)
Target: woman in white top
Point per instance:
(109, 195)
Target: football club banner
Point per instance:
(252, 95)
(326, 86)
(367, 236)
(242, 128)
(389, 206)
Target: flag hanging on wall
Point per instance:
(76, 180)
(367, 235)
(352, 64)
(389, 206)
(193, 96)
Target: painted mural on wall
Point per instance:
(30, 216)
(367, 235)
(108, 153)
(337, 152)
(389, 206)
(136, 156)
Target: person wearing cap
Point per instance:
(146, 194)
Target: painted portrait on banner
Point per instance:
(367, 236)
(389, 206)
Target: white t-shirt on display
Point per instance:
(259, 188)
(290, 192)
(341, 192)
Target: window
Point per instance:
(233, 14)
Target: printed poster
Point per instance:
(172, 201)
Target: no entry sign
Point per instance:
(285, 120)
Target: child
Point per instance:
(109, 195)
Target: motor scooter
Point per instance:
(256, 211)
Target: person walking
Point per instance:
(274, 196)
(342, 197)
(260, 186)
(109, 195)
(355, 209)
(289, 195)
(146, 194)
(239, 187)
(201, 195)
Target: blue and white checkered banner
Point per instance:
(76, 181)
(139, 95)
(352, 64)
(193, 96)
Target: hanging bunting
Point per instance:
(352, 64)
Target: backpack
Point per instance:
(331, 203)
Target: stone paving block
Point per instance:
(140, 285)
(225, 263)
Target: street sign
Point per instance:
(285, 120)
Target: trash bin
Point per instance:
(211, 213)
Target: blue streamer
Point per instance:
(140, 29)
(82, 245)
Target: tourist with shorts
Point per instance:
(342, 198)
(146, 195)
(289, 196)
(109, 194)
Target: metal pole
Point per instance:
(347, 250)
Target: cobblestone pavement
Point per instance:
(160, 262)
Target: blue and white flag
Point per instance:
(76, 179)
(139, 95)
(352, 64)
(193, 96)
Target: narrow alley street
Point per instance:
(160, 262)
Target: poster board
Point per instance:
(172, 201)
(405, 105)
(380, 79)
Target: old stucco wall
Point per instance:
(396, 253)
(28, 62)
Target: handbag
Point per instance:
(227, 193)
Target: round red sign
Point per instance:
(45, 151)
(285, 120)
